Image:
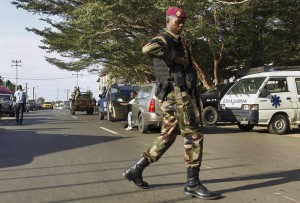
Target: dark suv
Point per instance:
(7, 104)
(110, 101)
(211, 101)
(146, 112)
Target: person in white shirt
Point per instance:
(132, 98)
(20, 98)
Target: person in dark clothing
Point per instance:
(20, 98)
(176, 81)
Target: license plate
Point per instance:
(244, 122)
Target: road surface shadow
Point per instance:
(268, 180)
(18, 147)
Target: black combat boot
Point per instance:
(194, 187)
(134, 173)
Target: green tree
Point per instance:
(1, 81)
(224, 35)
(41, 100)
(10, 85)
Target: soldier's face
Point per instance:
(175, 24)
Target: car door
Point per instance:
(116, 110)
(280, 98)
(297, 84)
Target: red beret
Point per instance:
(174, 11)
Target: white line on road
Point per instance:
(113, 132)
(143, 143)
(294, 200)
(207, 166)
(286, 197)
(74, 117)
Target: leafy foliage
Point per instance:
(224, 35)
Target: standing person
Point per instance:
(132, 98)
(176, 80)
(20, 97)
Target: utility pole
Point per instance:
(33, 92)
(77, 77)
(67, 90)
(16, 65)
(26, 83)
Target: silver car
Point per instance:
(146, 112)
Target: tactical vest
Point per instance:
(169, 74)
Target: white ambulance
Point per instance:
(269, 99)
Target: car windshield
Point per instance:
(216, 88)
(121, 93)
(247, 86)
(5, 97)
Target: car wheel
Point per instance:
(125, 124)
(109, 116)
(247, 127)
(100, 114)
(73, 112)
(279, 124)
(210, 116)
(91, 111)
(141, 125)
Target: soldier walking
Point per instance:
(176, 81)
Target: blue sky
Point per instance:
(18, 44)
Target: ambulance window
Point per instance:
(247, 86)
(277, 85)
(298, 85)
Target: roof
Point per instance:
(274, 73)
(244, 72)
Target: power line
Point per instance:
(50, 78)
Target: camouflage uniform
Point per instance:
(181, 121)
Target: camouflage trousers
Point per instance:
(181, 121)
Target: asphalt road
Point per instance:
(57, 157)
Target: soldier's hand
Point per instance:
(182, 61)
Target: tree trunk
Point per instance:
(217, 76)
(202, 75)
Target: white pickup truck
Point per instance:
(269, 99)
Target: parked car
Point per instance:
(48, 105)
(211, 103)
(146, 112)
(7, 104)
(110, 101)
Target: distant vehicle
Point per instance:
(109, 102)
(48, 105)
(146, 112)
(67, 104)
(7, 104)
(211, 103)
(84, 103)
(38, 106)
(31, 104)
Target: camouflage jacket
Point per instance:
(158, 47)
